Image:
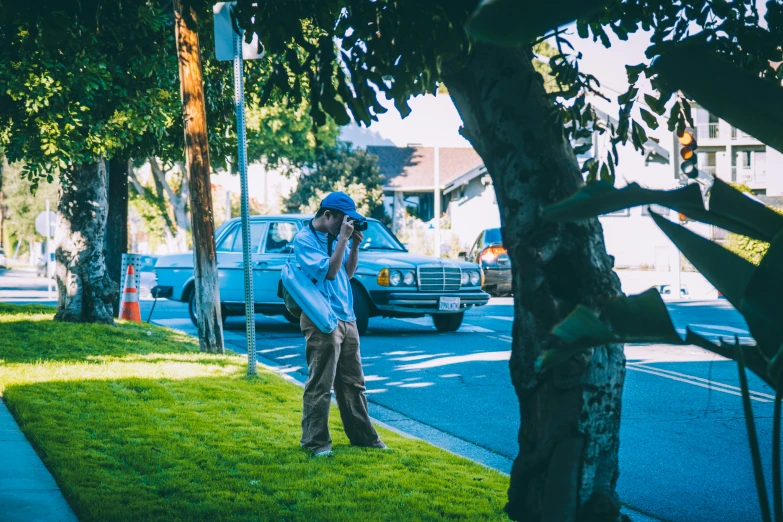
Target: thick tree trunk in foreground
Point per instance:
(117, 223)
(210, 330)
(85, 291)
(569, 438)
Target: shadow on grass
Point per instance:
(226, 448)
(29, 334)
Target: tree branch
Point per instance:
(160, 179)
(135, 182)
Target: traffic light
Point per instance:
(689, 159)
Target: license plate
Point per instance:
(448, 304)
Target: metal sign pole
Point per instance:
(239, 99)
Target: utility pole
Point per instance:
(436, 204)
(675, 160)
(210, 329)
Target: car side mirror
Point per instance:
(462, 255)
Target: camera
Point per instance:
(359, 226)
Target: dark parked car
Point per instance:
(488, 252)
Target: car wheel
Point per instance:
(448, 322)
(192, 309)
(361, 308)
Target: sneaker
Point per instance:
(381, 446)
(324, 453)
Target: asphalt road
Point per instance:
(684, 454)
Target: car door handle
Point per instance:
(261, 263)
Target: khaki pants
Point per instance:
(334, 360)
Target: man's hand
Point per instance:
(346, 230)
(357, 237)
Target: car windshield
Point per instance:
(378, 237)
(493, 236)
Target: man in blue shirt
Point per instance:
(322, 250)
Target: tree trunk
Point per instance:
(117, 222)
(567, 467)
(85, 291)
(210, 330)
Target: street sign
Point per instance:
(40, 224)
(224, 35)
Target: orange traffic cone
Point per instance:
(129, 306)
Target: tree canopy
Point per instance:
(80, 80)
(340, 167)
(396, 49)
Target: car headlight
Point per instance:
(383, 277)
(395, 277)
(409, 278)
(475, 278)
(465, 278)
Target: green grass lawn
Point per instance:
(135, 424)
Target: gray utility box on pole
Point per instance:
(230, 45)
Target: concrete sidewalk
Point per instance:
(28, 493)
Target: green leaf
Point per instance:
(726, 271)
(641, 319)
(639, 131)
(655, 104)
(762, 305)
(636, 319)
(633, 72)
(756, 219)
(512, 22)
(581, 149)
(649, 119)
(695, 69)
(602, 198)
(606, 176)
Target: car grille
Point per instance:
(437, 278)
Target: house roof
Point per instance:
(465, 179)
(413, 168)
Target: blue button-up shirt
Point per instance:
(311, 251)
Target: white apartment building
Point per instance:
(734, 156)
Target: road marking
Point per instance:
(740, 331)
(693, 382)
(418, 357)
(500, 318)
(270, 350)
(700, 379)
(469, 328)
(716, 338)
(444, 361)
